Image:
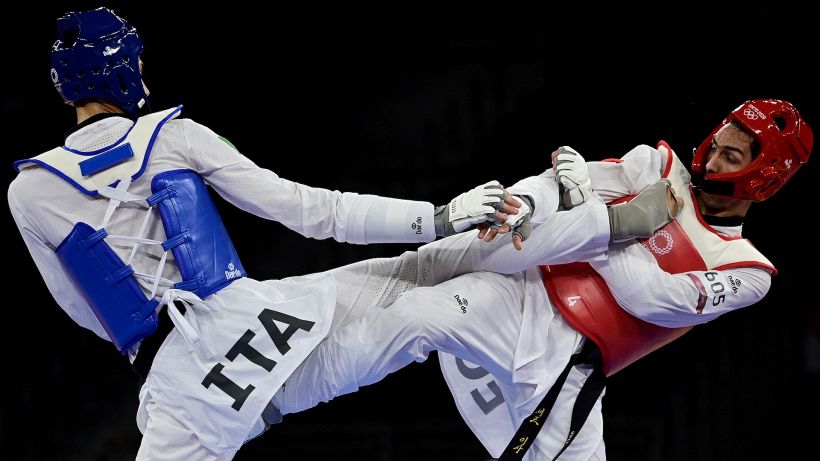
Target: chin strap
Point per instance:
(700, 183)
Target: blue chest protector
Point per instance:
(108, 286)
(202, 248)
(195, 234)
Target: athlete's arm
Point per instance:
(313, 212)
(583, 232)
(56, 278)
(644, 290)
(629, 175)
(317, 212)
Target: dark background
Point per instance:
(420, 100)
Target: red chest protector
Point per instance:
(685, 244)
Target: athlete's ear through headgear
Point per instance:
(785, 142)
(96, 56)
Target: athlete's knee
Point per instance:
(424, 315)
(404, 275)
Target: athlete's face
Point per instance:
(731, 151)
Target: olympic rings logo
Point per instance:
(652, 243)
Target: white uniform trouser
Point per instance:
(485, 333)
(366, 341)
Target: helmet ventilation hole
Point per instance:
(123, 85)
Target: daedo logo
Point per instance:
(462, 303)
(416, 226)
(232, 272)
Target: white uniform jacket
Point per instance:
(250, 335)
(493, 405)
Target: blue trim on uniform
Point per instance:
(114, 184)
(95, 152)
(58, 173)
(17, 164)
(106, 160)
(151, 142)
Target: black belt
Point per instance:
(587, 396)
(150, 345)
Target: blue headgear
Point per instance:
(96, 56)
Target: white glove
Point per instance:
(473, 207)
(572, 173)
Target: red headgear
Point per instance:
(785, 141)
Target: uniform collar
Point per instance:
(90, 120)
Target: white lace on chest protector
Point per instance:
(160, 286)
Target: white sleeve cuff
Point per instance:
(377, 219)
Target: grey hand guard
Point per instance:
(650, 210)
(520, 223)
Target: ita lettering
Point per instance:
(243, 347)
